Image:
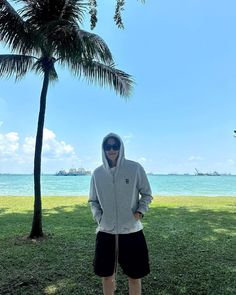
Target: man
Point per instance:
(119, 197)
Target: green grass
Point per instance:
(192, 247)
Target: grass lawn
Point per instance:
(192, 247)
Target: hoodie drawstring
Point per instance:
(116, 259)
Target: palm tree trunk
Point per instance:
(37, 230)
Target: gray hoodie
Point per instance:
(117, 193)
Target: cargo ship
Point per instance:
(73, 172)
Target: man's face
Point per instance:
(112, 150)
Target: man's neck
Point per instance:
(113, 164)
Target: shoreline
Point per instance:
(154, 196)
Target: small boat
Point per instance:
(215, 173)
(73, 172)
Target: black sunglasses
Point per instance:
(115, 147)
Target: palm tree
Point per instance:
(41, 34)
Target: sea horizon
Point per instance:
(161, 184)
(148, 173)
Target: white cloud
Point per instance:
(55, 149)
(195, 158)
(28, 146)
(52, 147)
(48, 134)
(18, 154)
(9, 145)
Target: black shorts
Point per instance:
(132, 254)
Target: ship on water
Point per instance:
(215, 173)
(73, 172)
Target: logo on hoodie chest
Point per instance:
(127, 180)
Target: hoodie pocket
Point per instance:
(106, 224)
(128, 221)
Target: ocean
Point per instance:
(162, 185)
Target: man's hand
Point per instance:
(138, 215)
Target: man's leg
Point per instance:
(109, 285)
(134, 286)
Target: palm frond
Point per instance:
(61, 39)
(117, 17)
(120, 4)
(120, 7)
(14, 31)
(45, 64)
(15, 65)
(39, 13)
(53, 24)
(96, 47)
(74, 10)
(93, 13)
(69, 41)
(104, 75)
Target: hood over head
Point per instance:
(121, 152)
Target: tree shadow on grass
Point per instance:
(3, 210)
(60, 264)
(191, 252)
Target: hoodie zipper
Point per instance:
(116, 204)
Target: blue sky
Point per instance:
(181, 116)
